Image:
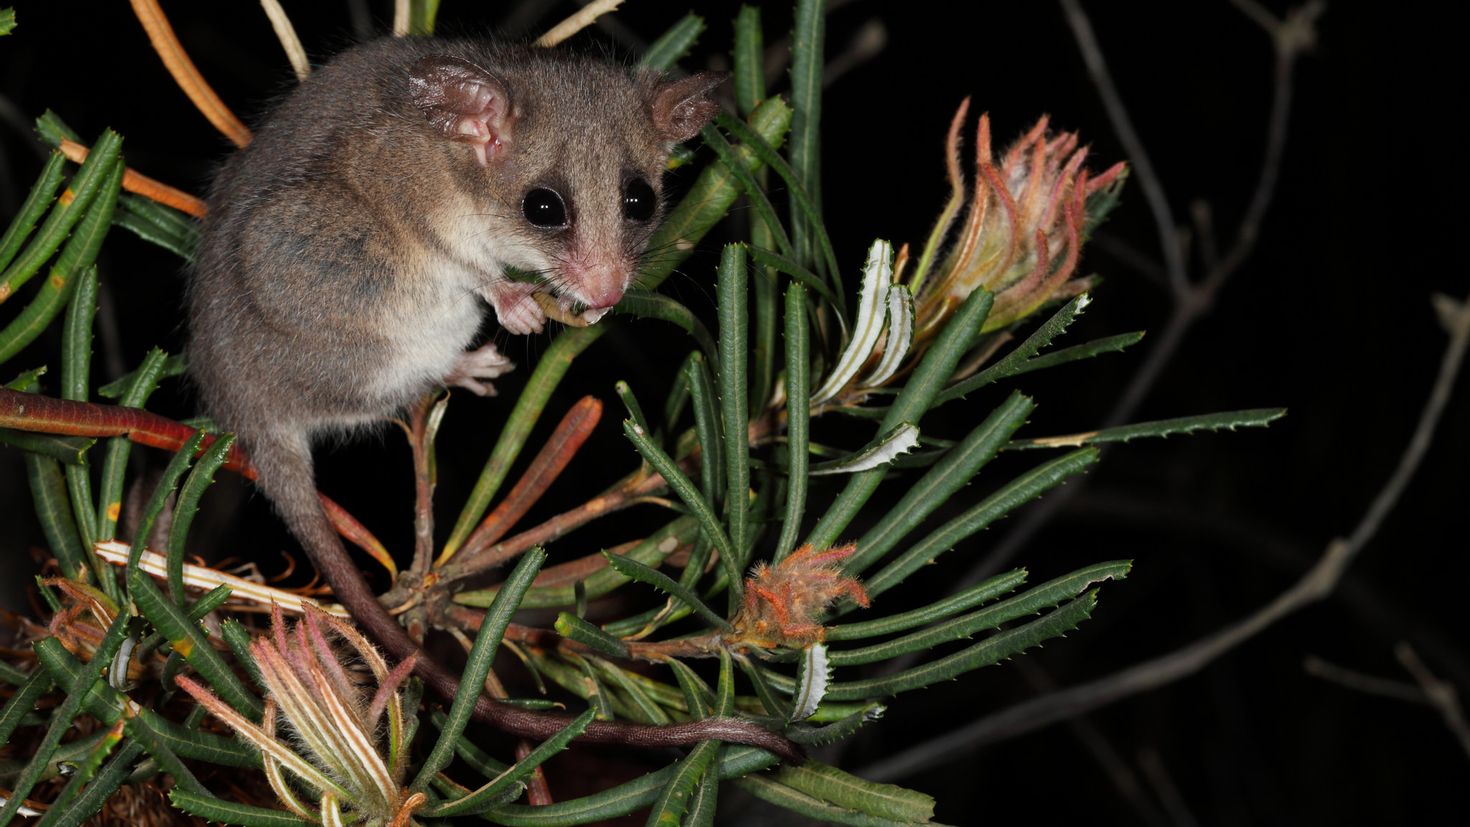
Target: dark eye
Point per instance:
(544, 208)
(639, 202)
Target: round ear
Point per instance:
(681, 108)
(462, 102)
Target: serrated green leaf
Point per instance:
(697, 696)
(641, 706)
(801, 275)
(1045, 596)
(955, 470)
(987, 652)
(634, 570)
(804, 203)
(932, 613)
(68, 450)
(141, 384)
(1224, 421)
(169, 366)
(813, 808)
(674, 800)
(798, 417)
(187, 505)
(53, 510)
(101, 788)
(832, 733)
(1015, 361)
(845, 790)
(808, 63)
(1014, 494)
(1086, 350)
(157, 224)
(755, 194)
(734, 385)
(708, 427)
(230, 812)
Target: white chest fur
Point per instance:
(429, 331)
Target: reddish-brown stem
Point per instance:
(570, 434)
(43, 414)
(627, 493)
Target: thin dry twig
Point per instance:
(140, 184)
(1365, 683)
(1157, 772)
(286, 33)
(1138, 158)
(177, 61)
(1316, 584)
(576, 22)
(1439, 693)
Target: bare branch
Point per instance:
(1157, 772)
(1143, 167)
(1440, 694)
(1360, 682)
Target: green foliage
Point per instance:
(725, 479)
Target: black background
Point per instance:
(1330, 318)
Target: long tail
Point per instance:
(283, 462)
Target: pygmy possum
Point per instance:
(349, 246)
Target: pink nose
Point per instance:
(604, 298)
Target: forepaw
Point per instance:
(475, 368)
(516, 311)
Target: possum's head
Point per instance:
(565, 154)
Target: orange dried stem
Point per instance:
(140, 184)
(628, 493)
(570, 434)
(177, 61)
